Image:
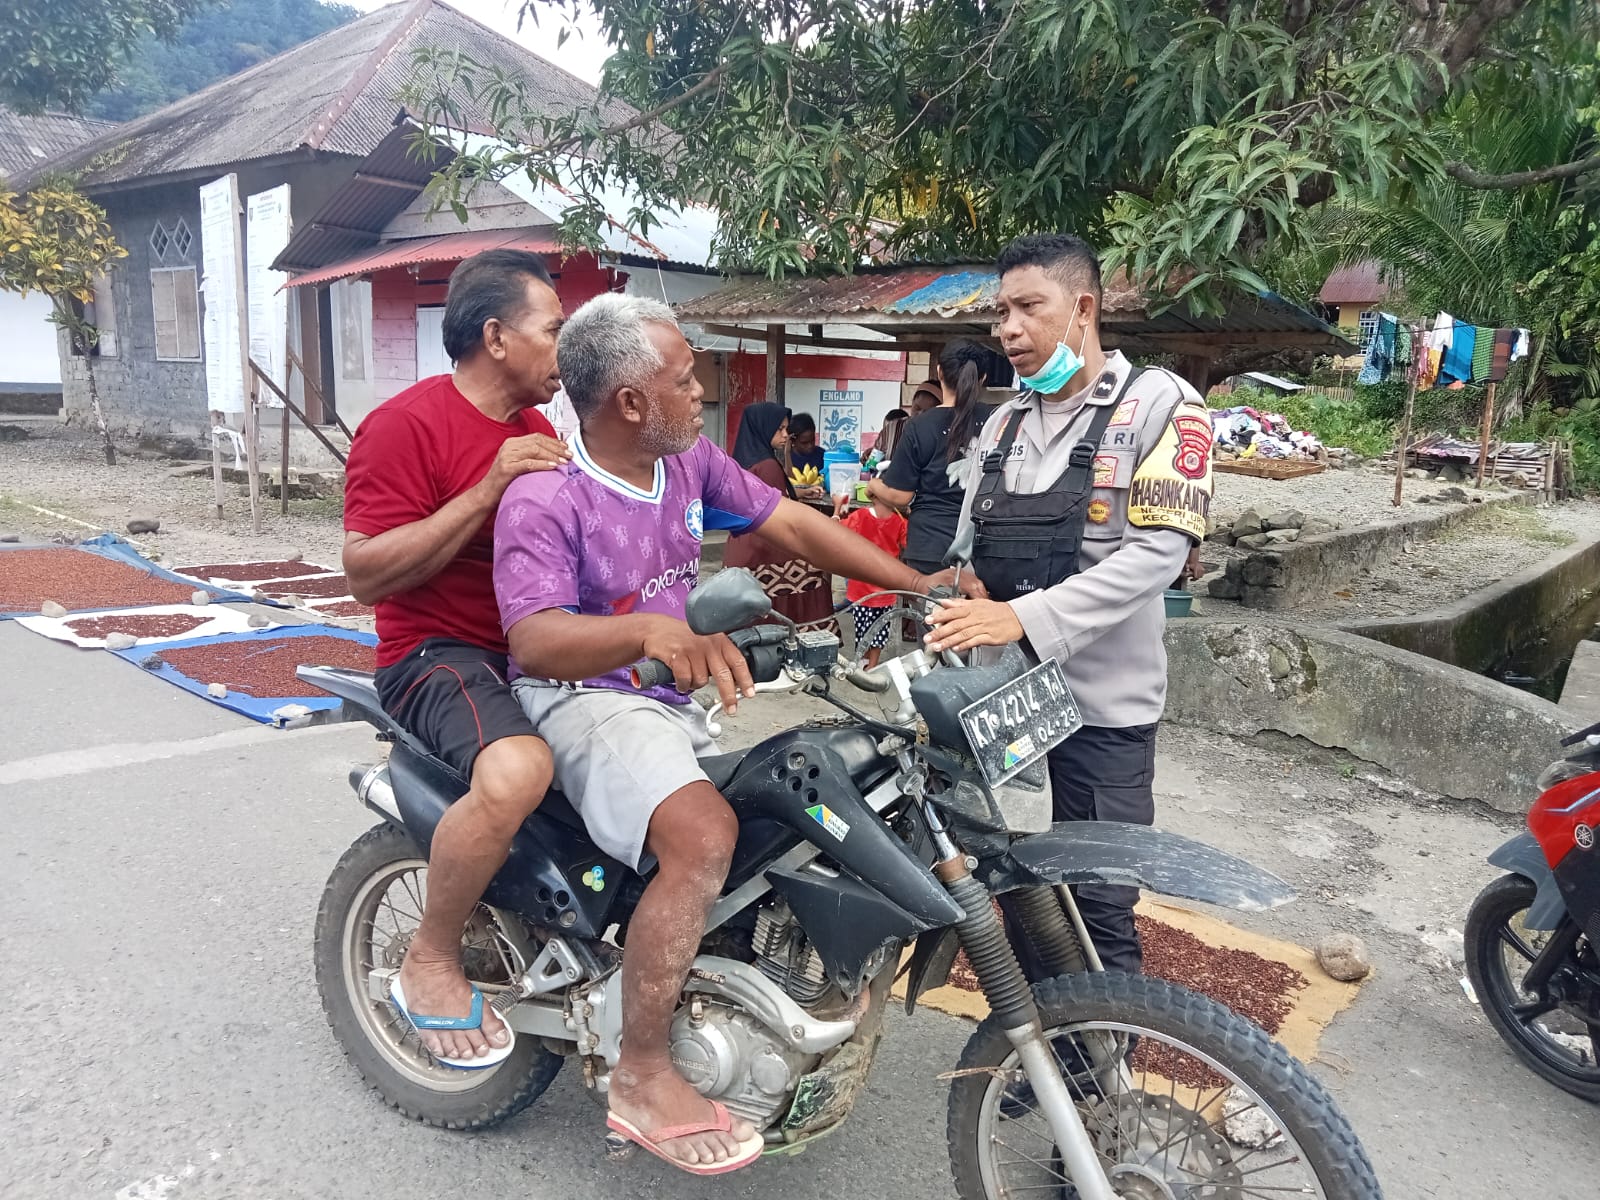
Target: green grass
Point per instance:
(1511, 520)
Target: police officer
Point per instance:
(1093, 485)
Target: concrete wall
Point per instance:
(1287, 576)
(1486, 627)
(1442, 728)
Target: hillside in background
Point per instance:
(219, 42)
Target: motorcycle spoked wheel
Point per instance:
(369, 910)
(1500, 949)
(1158, 1139)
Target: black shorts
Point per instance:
(454, 698)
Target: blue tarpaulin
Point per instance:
(257, 708)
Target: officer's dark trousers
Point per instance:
(1106, 775)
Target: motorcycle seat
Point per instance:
(358, 691)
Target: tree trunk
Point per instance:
(99, 413)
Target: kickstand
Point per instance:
(618, 1148)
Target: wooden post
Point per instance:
(1405, 425)
(775, 348)
(252, 466)
(1483, 438)
(283, 466)
(216, 460)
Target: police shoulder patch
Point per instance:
(1172, 487)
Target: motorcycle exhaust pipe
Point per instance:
(372, 788)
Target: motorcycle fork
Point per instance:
(1010, 998)
(1554, 955)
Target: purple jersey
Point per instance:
(581, 539)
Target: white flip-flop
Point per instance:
(473, 1020)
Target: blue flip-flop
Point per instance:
(473, 1020)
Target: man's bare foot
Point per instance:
(440, 989)
(663, 1099)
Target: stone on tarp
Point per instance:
(200, 599)
(1344, 957)
(121, 641)
(52, 610)
(257, 621)
(290, 716)
(217, 691)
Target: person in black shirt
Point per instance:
(929, 467)
(803, 449)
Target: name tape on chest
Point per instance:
(1172, 487)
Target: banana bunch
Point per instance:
(805, 477)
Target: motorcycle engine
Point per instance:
(731, 1056)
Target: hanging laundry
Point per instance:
(1456, 366)
(1403, 359)
(1504, 339)
(1380, 352)
(1482, 354)
(1523, 346)
(1432, 354)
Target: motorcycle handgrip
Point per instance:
(651, 673)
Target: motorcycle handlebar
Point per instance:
(651, 673)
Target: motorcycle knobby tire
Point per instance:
(1306, 1109)
(505, 1090)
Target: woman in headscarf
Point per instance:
(797, 589)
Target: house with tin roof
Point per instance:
(367, 260)
(30, 373)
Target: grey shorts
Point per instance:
(617, 756)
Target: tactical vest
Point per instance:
(1023, 543)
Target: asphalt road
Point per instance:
(160, 866)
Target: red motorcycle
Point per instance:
(1533, 936)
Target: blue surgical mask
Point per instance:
(1057, 371)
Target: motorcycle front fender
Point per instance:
(1522, 856)
(1076, 852)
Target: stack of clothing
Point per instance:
(1248, 433)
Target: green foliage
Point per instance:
(56, 54)
(1335, 422)
(54, 241)
(219, 41)
(1578, 425)
(1187, 140)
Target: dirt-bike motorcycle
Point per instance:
(1533, 935)
(871, 845)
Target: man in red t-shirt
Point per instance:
(425, 477)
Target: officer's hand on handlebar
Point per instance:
(696, 661)
(967, 583)
(962, 624)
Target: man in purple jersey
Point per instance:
(593, 565)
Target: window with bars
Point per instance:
(173, 242)
(1367, 327)
(175, 299)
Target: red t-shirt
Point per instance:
(888, 535)
(411, 456)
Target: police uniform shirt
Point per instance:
(1152, 493)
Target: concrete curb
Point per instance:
(1484, 628)
(1444, 729)
(1286, 576)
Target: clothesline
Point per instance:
(1451, 355)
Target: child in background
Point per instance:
(886, 529)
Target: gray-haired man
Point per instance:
(593, 565)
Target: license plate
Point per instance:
(1015, 726)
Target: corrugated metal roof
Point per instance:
(449, 247)
(1359, 283)
(961, 299)
(25, 142)
(337, 93)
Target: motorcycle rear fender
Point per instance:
(1077, 852)
(1522, 856)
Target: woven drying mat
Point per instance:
(1278, 985)
(266, 668)
(79, 581)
